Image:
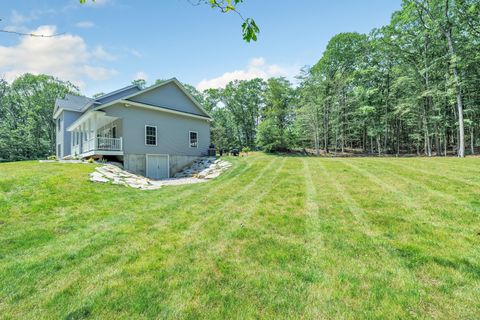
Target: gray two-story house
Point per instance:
(154, 132)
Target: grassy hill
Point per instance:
(274, 237)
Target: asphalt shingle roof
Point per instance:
(72, 102)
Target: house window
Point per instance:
(150, 135)
(59, 124)
(193, 139)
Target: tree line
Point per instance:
(27, 130)
(411, 87)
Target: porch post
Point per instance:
(84, 136)
(95, 131)
(77, 141)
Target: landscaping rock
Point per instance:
(208, 168)
(200, 171)
(98, 177)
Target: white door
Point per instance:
(158, 166)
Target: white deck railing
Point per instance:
(104, 144)
(109, 144)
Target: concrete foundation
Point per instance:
(177, 163)
(136, 163)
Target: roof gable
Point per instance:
(169, 95)
(72, 103)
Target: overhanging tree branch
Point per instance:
(250, 29)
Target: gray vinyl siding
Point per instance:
(169, 96)
(172, 131)
(59, 136)
(63, 136)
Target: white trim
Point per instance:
(174, 80)
(57, 113)
(157, 154)
(61, 109)
(100, 152)
(156, 136)
(190, 139)
(163, 109)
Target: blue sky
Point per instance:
(107, 44)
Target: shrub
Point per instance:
(52, 157)
(90, 160)
(246, 150)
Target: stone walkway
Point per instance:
(200, 171)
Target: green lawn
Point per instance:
(274, 237)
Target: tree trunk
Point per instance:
(325, 128)
(445, 144)
(461, 129)
(472, 141)
(379, 146)
(336, 141)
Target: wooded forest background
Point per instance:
(411, 87)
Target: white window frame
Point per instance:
(190, 139)
(156, 136)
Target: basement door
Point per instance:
(158, 166)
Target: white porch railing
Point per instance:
(109, 144)
(104, 144)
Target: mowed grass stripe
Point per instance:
(178, 244)
(415, 244)
(442, 173)
(424, 223)
(357, 262)
(466, 192)
(416, 204)
(464, 166)
(232, 245)
(418, 193)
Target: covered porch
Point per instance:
(96, 134)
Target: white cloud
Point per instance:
(101, 54)
(256, 68)
(98, 73)
(65, 56)
(257, 62)
(140, 75)
(85, 24)
(19, 19)
(136, 53)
